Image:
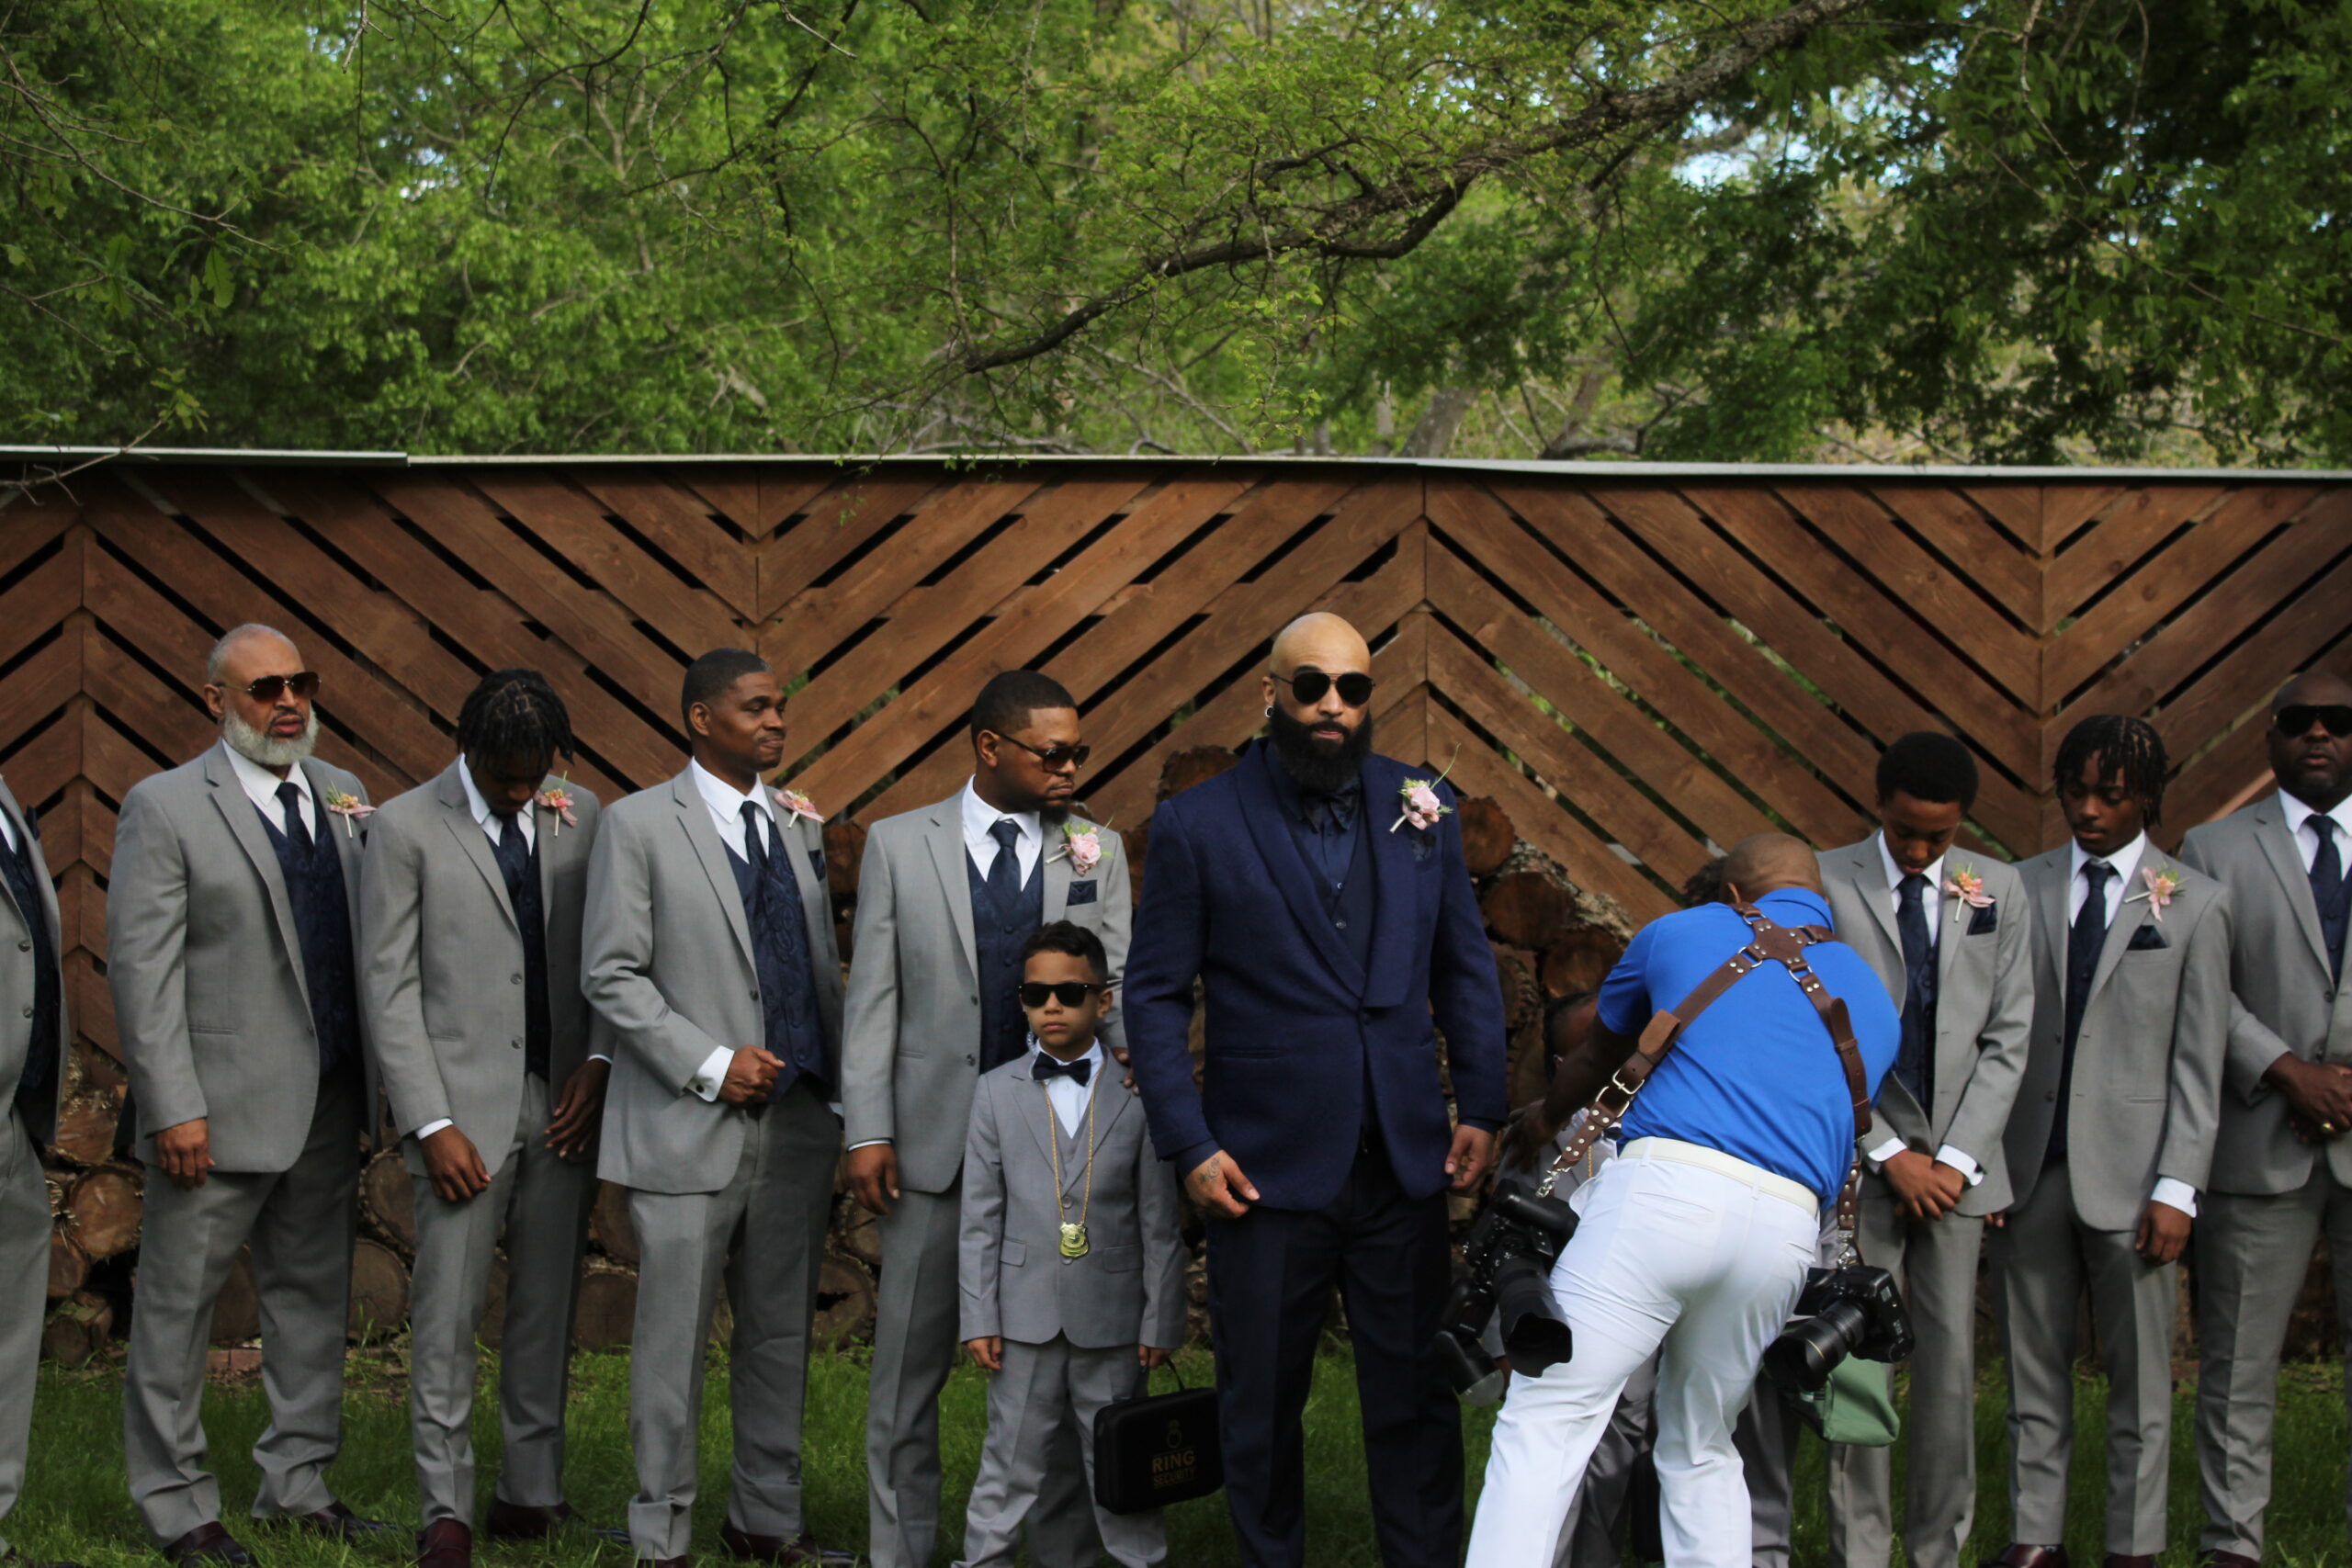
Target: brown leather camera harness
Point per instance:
(1770, 944)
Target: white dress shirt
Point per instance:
(1933, 903)
(7, 834)
(2304, 825)
(980, 817)
(726, 803)
(2169, 1190)
(1064, 1094)
(261, 788)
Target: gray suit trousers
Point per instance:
(542, 1203)
(300, 1224)
(2251, 1255)
(1043, 1390)
(762, 1236)
(1936, 1263)
(2042, 1260)
(1597, 1521)
(915, 1344)
(24, 1277)
(1767, 1435)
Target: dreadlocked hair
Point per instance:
(514, 713)
(2128, 751)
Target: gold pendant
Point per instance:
(1073, 1239)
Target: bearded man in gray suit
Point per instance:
(33, 1040)
(2282, 1170)
(229, 951)
(946, 895)
(2111, 1137)
(709, 953)
(471, 900)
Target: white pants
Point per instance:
(1697, 1263)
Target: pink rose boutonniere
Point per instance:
(1422, 807)
(2162, 882)
(557, 797)
(1967, 885)
(795, 804)
(348, 807)
(1083, 845)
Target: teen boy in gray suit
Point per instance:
(710, 952)
(228, 950)
(469, 914)
(1951, 936)
(2111, 1137)
(33, 1038)
(2282, 1171)
(946, 896)
(1071, 1267)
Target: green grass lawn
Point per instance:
(76, 1505)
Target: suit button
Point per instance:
(515, 979)
(1364, 1016)
(24, 946)
(29, 1012)
(755, 994)
(1341, 924)
(968, 1061)
(516, 1044)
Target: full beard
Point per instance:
(258, 746)
(1318, 767)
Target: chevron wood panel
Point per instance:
(1642, 671)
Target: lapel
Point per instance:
(341, 832)
(2278, 847)
(1395, 918)
(547, 833)
(1036, 1113)
(944, 834)
(1054, 865)
(1859, 867)
(2046, 879)
(236, 808)
(2128, 917)
(1109, 1106)
(693, 817)
(458, 815)
(48, 890)
(1261, 815)
(798, 836)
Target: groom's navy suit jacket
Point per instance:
(1297, 1028)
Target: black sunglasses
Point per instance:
(1053, 756)
(1308, 686)
(2298, 719)
(1069, 993)
(265, 690)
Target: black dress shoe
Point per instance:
(2021, 1555)
(445, 1544)
(339, 1522)
(523, 1521)
(788, 1552)
(208, 1543)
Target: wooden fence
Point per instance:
(1637, 665)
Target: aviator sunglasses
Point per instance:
(1069, 993)
(1308, 685)
(2298, 719)
(265, 690)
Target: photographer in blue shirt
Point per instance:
(1694, 1242)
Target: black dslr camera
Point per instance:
(1855, 1310)
(1510, 1254)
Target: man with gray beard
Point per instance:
(229, 951)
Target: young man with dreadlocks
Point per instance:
(471, 900)
(2111, 1137)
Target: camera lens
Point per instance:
(1810, 1348)
(1465, 1364)
(1533, 1335)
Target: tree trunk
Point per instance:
(378, 1292)
(388, 1199)
(1432, 433)
(102, 1212)
(1487, 835)
(69, 1266)
(608, 1223)
(844, 1302)
(607, 1312)
(77, 1330)
(1527, 909)
(1580, 961)
(236, 1310)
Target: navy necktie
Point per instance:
(1915, 1061)
(756, 839)
(1004, 872)
(2328, 891)
(1077, 1072)
(297, 832)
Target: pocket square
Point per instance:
(816, 860)
(1983, 919)
(1424, 846)
(1082, 892)
(2147, 939)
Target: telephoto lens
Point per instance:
(1853, 1311)
(1809, 1349)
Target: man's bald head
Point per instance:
(1766, 863)
(1324, 641)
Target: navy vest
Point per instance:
(314, 888)
(36, 1088)
(779, 926)
(997, 935)
(520, 867)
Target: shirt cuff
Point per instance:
(1885, 1151)
(1961, 1162)
(604, 1056)
(2175, 1194)
(866, 1143)
(711, 1073)
(431, 1127)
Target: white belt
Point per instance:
(1722, 1164)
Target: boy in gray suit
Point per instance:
(1071, 1271)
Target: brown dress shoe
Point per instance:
(522, 1521)
(445, 1544)
(2021, 1555)
(208, 1543)
(340, 1523)
(794, 1552)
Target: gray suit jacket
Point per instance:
(911, 1037)
(439, 954)
(16, 978)
(667, 960)
(1984, 1008)
(2285, 998)
(1129, 1287)
(2148, 1061)
(205, 968)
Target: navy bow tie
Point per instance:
(1077, 1072)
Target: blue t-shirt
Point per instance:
(1756, 1075)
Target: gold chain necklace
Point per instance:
(1073, 1233)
